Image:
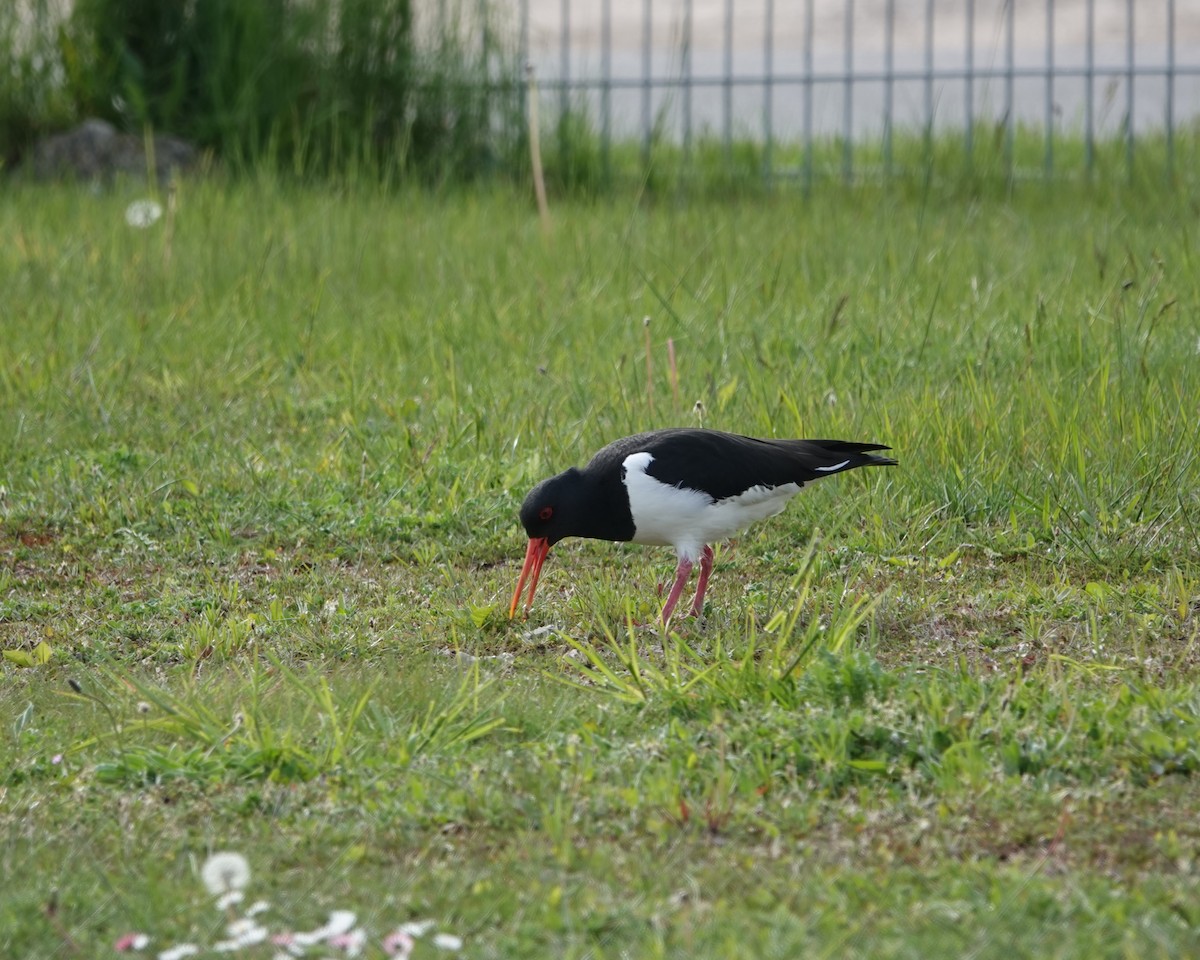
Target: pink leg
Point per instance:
(706, 562)
(682, 572)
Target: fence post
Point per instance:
(1129, 101)
(1089, 73)
(970, 86)
(1010, 103)
(1170, 88)
(848, 97)
(808, 96)
(889, 82)
(606, 89)
(768, 88)
(647, 66)
(1049, 133)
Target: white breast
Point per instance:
(688, 519)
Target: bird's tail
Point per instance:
(848, 454)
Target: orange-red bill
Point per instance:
(535, 556)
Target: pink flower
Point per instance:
(351, 942)
(398, 943)
(131, 941)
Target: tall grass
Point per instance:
(258, 501)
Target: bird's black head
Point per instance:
(554, 508)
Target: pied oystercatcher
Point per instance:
(678, 487)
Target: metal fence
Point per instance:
(808, 74)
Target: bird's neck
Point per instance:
(607, 516)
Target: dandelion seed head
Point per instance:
(143, 213)
(225, 873)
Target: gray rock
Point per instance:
(95, 150)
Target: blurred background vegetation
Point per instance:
(393, 91)
(312, 87)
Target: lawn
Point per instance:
(260, 465)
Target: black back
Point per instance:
(727, 464)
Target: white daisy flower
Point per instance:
(352, 943)
(398, 944)
(179, 951)
(340, 922)
(227, 900)
(242, 933)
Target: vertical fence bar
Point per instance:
(1049, 160)
(564, 79)
(485, 44)
(686, 69)
(889, 83)
(523, 62)
(929, 82)
(1170, 88)
(1010, 102)
(808, 96)
(1089, 77)
(969, 145)
(848, 96)
(606, 89)
(768, 88)
(727, 82)
(1129, 108)
(493, 85)
(647, 53)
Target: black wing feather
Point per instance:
(726, 464)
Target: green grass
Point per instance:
(259, 473)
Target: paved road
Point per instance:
(1110, 28)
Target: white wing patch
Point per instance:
(688, 519)
(836, 466)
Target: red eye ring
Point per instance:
(545, 513)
